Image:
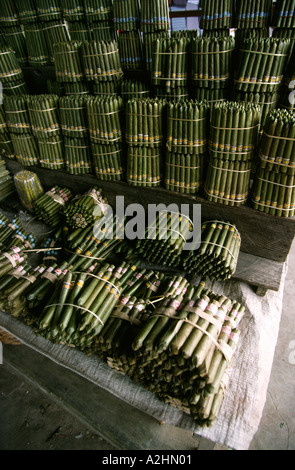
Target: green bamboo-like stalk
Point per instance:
(211, 60)
(267, 101)
(67, 61)
(126, 14)
(108, 161)
(101, 61)
(284, 14)
(154, 16)
(216, 14)
(28, 188)
(218, 253)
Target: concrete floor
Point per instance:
(34, 417)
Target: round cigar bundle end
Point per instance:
(217, 256)
(28, 187)
(84, 210)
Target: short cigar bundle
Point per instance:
(67, 61)
(187, 122)
(144, 166)
(86, 209)
(105, 118)
(101, 61)
(108, 161)
(217, 256)
(185, 173)
(165, 238)
(261, 64)
(253, 14)
(145, 122)
(49, 207)
(170, 62)
(233, 140)
(211, 61)
(273, 189)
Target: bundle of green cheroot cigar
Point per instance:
(184, 352)
(126, 14)
(86, 209)
(284, 14)
(67, 61)
(261, 64)
(185, 173)
(6, 148)
(211, 61)
(144, 166)
(218, 252)
(273, 189)
(101, 61)
(104, 118)
(6, 182)
(154, 16)
(11, 75)
(28, 187)
(163, 241)
(108, 161)
(253, 14)
(233, 139)
(148, 39)
(170, 62)
(15, 39)
(216, 14)
(145, 122)
(49, 207)
(130, 48)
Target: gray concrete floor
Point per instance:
(33, 418)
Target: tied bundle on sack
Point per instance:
(217, 14)
(11, 74)
(104, 118)
(28, 187)
(184, 351)
(217, 256)
(261, 64)
(170, 62)
(144, 122)
(49, 207)
(101, 61)
(154, 16)
(211, 61)
(67, 61)
(86, 209)
(164, 239)
(144, 166)
(273, 190)
(7, 187)
(233, 139)
(253, 13)
(108, 161)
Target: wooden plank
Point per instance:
(259, 272)
(263, 235)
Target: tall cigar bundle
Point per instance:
(233, 139)
(148, 39)
(130, 47)
(273, 189)
(267, 101)
(134, 88)
(284, 14)
(164, 239)
(15, 40)
(67, 61)
(170, 62)
(144, 166)
(44, 117)
(187, 145)
(184, 352)
(6, 148)
(7, 187)
(74, 128)
(154, 16)
(253, 13)
(217, 256)
(11, 74)
(126, 14)
(211, 61)
(217, 14)
(261, 64)
(50, 206)
(101, 61)
(86, 209)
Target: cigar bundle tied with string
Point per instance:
(261, 64)
(77, 153)
(17, 114)
(147, 43)
(170, 62)
(67, 61)
(211, 59)
(73, 116)
(273, 190)
(144, 166)
(134, 88)
(187, 346)
(6, 147)
(105, 119)
(49, 10)
(84, 210)
(130, 47)
(233, 139)
(15, 39)
(101, 61)
(217, 255)
(49, 207)
(28, 187)
(7, 186)
(267, 101)
(126, 15)
(164, 239)
(154, 16)
(98, 11)
(38, 51)
(253, 14)
(108, 161)
(217, 14)
(145, 122)
(185, 173)
(11, 75)
(284, 14)
(73, 10)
